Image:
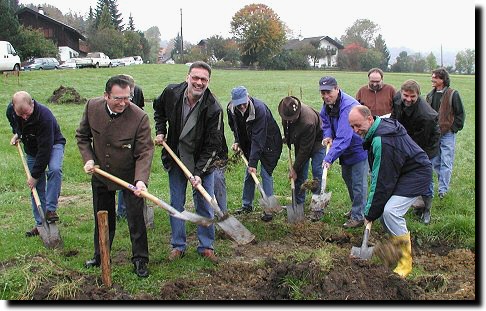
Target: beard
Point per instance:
(375, 87)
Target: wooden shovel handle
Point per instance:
(253, 175)
(27, 172)
(292, 181)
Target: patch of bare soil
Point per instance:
(66, 95)
(276, 270)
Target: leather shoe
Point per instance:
(141, 268)
(266, 217)
(353, 223)
(92, 263)
(244, 210)
(175, 254)
(32, 232)
(210, 255)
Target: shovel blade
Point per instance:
(270, 205)
(364, 253)
(195, 218)
(50, 236)
(295, 214)
(235, 230)
(319, 202)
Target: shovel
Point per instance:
(229, 224)
(184, 215)
(48, 233)
(295, 213)
(363, 252)
(269, 203)
(320, 201)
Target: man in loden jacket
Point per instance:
(302, 127)
(194, 119)
(115, 134)
(257, 134)
(421, 122)
(400, 172)
(345, 145)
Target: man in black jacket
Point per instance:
(257, 134)
(194, 119)
(421, 122)
(400, 172)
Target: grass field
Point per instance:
(453, 219)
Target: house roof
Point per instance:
(45, 17)
(296, 43)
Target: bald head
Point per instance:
(360, 119)
(23, 104)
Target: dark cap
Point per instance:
(239, 95)
(327, 83)
(289, 108)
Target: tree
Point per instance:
(109, 41)
(350, 57)
(152, 39)
(132, 43)
(403, 63)
(105, 21)
(466, 61)
(431, 62)
(259, 33)
(418, 63)
(31, 43)
(314, 51)
(115, 16)
(131, 24)
(361, 32)
(216, 47)
(380, 46)
(8, 22)
(371, 58)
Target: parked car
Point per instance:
(9, 60)
(127, 61)
(42, 63)
(68, 64)
(138, 60)
(93, 59)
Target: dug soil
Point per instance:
(277, 270)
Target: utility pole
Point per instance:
(182, 40)
(441, 62)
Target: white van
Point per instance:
(9, 60)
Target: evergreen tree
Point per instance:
(105, 21)
(8, 22)
(131, 24)
(380, 46)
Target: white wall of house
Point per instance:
(331, 60)
(66, 53)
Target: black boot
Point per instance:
(427, 207)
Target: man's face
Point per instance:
(437, 82)
(242, 107)
(198, 81)
(359, 123)
(375, 82)
(409, 97)
(329, 97)
(119, 98)
(23, 110)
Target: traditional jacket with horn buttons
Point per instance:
(121, 146)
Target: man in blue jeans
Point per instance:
(189, 118)
(35, 125)
(345, 145)
(448, 104)
(258, 136)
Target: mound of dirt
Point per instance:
(66, 95)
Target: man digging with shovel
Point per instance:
(303, 128)
(400, 172)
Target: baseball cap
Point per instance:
(327, 83)
(239, 95)
(289, 108)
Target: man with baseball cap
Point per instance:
(345, 145)
(302, 127)
(257, 134)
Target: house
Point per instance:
(65, 37)
(331, 47)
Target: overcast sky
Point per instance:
(420, 25)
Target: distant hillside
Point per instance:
(449, 57)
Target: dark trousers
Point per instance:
(104, 200)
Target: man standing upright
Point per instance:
(345, 145)
(189, 118)
(377, 95)
(447, 102)
(421, 123)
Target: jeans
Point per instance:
(444, 161)
(393, 219)
(122, 207)
(249, 186)
(316, 164)
(356, 178)
(220, 188)
(178, 186)
(49, 183)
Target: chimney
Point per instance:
(40, 10)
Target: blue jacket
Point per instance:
(260, 137)
(346, 145)
(39, 133)
(398, 165)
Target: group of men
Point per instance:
(115, 134)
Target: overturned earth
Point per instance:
(66, 95)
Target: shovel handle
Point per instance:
(255, 178)
(292, 181)
(324, 173)
(366, 234)
(189, 175)
(27, 172)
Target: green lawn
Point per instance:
(453, 219)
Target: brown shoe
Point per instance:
(51, 216)
(209, 254)
(32, 232)
(353, 223)
(175, 254)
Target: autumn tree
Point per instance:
(349, 58)
(362, 32)
(466, 61)
(259, 32)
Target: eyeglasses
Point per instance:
(121, 98)
(196, 78)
